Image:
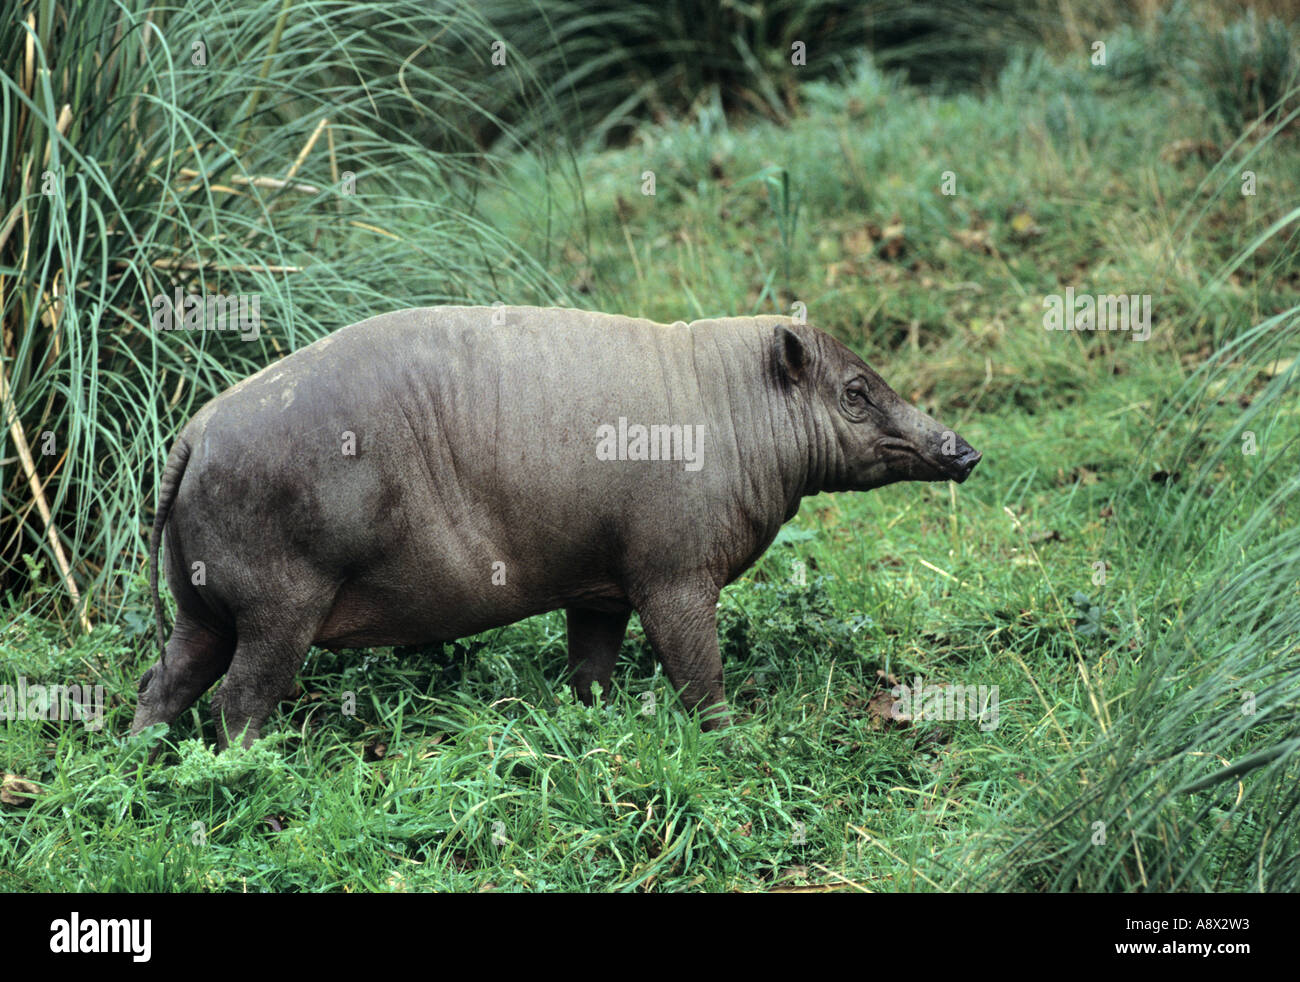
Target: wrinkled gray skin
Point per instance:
(475, 444)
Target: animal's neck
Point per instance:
(787, 441)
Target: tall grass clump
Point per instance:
(1238, 65)
(1180, 762)
(614, 63)
(324, 159)
(1249, 70)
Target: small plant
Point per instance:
(201, 766)
(785, 205)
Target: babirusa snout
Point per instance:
(950, 456)
(965, 460)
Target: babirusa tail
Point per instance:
(171, 480)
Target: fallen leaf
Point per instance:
(1079, 475)
(1023, 226)
(883, 711)
(1180, 150)
(15, 791)
(976, 240)
(892, 243)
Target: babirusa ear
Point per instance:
(789, 355)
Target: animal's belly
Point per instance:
(363, 616)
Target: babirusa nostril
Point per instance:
(966, 463)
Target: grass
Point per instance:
(1121, 565)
